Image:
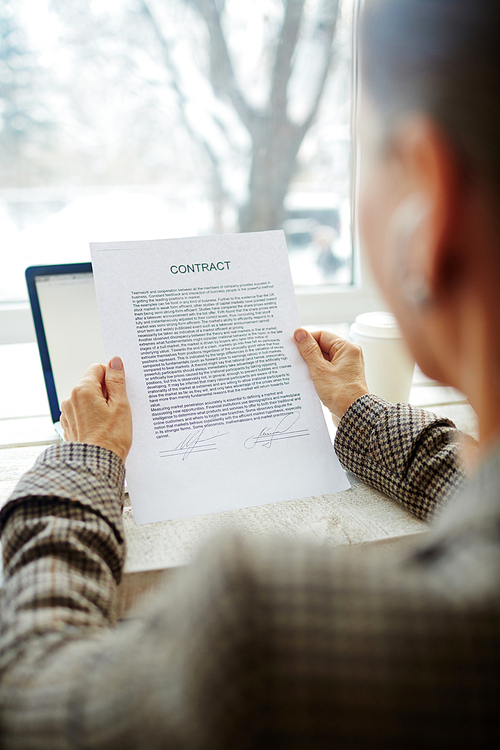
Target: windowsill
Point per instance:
(315, 305)
(22, 389)
(16, 323)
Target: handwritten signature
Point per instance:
(283, 431)
(194, 443)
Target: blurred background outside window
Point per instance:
(139, 119)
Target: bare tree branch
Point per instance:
(165, 49)
(222, 69)
(276, 139)
(287, 43)
(327, 28)
(182, 101)
(303, 55)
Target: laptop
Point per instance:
(68, 332)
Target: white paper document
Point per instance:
(224, 411)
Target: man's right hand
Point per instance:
(337, 369)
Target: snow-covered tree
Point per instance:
(267, 64)
(23, 118)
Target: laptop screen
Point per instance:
(64, 307)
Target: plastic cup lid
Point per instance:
(378, 324)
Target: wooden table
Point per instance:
(358, 515)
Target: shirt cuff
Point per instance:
(86, 474)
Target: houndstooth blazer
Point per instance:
(258, 645)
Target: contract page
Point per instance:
(224, 411)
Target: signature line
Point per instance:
(193, 443)
(282, 431)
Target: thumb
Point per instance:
(115, 378)
(308, 347)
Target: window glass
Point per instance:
(136, 119)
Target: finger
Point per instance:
(325, 336)
(328, 342)
(90, 385)
(115, 380)
(346, 350)
(309, 348)
(96, 373)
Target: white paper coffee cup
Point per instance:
(388, 364)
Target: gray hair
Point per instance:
(442, 58)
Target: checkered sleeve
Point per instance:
(260, 644)
(408, 453)
(63, 550)
(277, 645)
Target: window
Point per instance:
(129, 119)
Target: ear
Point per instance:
(434, 183)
